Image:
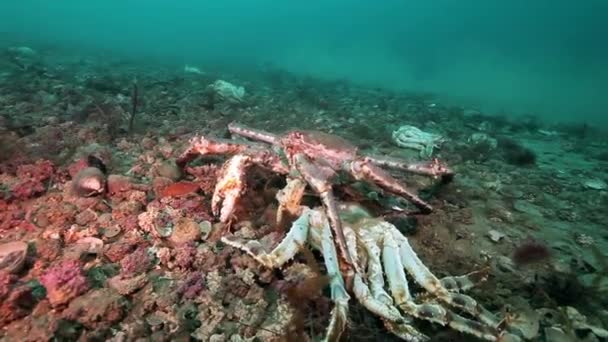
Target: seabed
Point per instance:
(103, 237)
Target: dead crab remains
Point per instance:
(357, 256)
(381, 251)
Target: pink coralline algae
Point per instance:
(192, 286)
(64, 282)
(32, 178)
(136, 262)
(185, 256)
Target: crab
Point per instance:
(381, 252)
(306, 158)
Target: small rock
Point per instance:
(90, 245)
(526, 207)
(168, 170)
(127, 286)
(556, 335)
(505, 264)
(12, 256)
(595, 184)
(118, 184)
(527, 321)
(98, 307)
(495, 235)
(185, 230)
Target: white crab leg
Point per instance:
(230, 186)
(374, 266)
(285, 251)
(376, 302)
(432, 284)
(339, 314)
(431, 312)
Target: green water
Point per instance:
(547, 58)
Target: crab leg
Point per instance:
(368, 171)
(433, 285)
(433, 168)
(339, 314)
(259, 154)
(377, 300)
(254, 134)
(289, 198)
(285, 251)
(202, 146)
(432, 312)
(314, 176)
(230, 186)
(375, 273)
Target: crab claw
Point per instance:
(230, 186)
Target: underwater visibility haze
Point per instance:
(545, 58)
(303, 170)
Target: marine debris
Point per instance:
(413, 138)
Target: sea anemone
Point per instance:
(516, 154)
(531, 251)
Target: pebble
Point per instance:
(528, 208)
(595, 184)
(495, 235)
(185, 230)
(12, 256)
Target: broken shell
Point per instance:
(12, 256)
(205, 228)
(112, 231)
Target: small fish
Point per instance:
(179, 189)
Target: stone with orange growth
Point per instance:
(185, 230)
